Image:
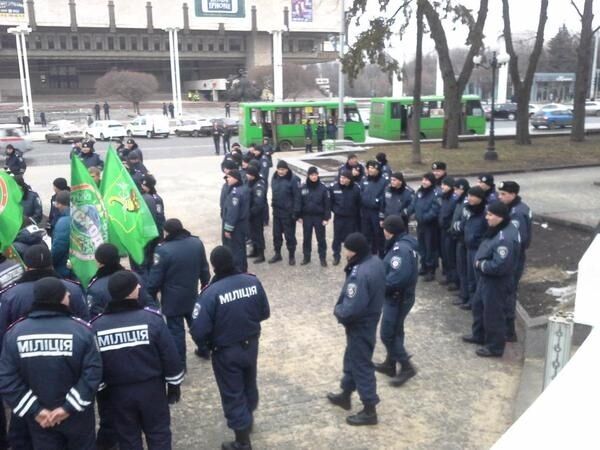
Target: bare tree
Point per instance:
(131, 86)
(296, 79)
(417, 106)
(582, 75)
(522, 88)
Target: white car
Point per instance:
(105, 130)
(552, 107)
(193, 127)
(592, 108)
(149, 126)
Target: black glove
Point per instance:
(173, 393)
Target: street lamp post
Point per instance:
(175, 75)
(342, 42)
(20, 31)
(495, 62)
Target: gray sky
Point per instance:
(524, 18)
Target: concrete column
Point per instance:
(502, 83)
(31, 14)
(277, 66)
(112, 24)
(253, 15)
(149, 17)
(73, 13)
(186, 18)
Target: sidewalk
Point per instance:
(456, 401)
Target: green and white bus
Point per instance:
(284, 122)
(390, 117)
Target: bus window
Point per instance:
(352, 115)
(473, 108)
(396, 110)
(256, 117)
(378, 108)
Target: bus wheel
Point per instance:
(423, 136)
(472, 132)
(285, 146)
(348, 138)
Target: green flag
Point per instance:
(131, 225)
(11, 211)
(89, 222)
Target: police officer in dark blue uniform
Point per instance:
(263, 161)
(358, 309)
(473, 226)
(439, 171)
(268, 150)
(372, 191)
(426, 207)
(89, 157)
(14, 161)
(397, 198)
(447, 242)
(285, 200)
(31, 203)
(227, 318)
(486, 182)
(315, 213)
(136, 168)
(138, 357)
(401, 263)
(50, 369)
(345, 204)
(236, 212)
(386, 170)
(356, 168)
(521, 217)
(226, 167)
(179, 263)
(495, 263)
(461, 187)
(258, 204)
(130, 146)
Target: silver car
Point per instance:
(13, 134)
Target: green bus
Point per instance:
(390, 117)
(284, 122)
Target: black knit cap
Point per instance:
(499, 209)
(229, 164)
(252, 170)
(61, 184)
(221, 259)
(49, 290)
(346, 173)
(398, 176)
(149, 181)
(381, 157)
(476, 191)
(311, 170)
(373, 163)
(235, 174)
(449, 181)
(357, 243)
(173, 226)
(130, 141)
(429, 176)
(487, 178)
(38, 257)
(281, 164)
(511, 187)
(107, 254)
(438, 165)
(87, 144)
(394, 224)
(462, 183)
(121, 284)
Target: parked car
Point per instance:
(552, 119)
(553, 107)
(13, 134)
(505, 111)
(149, 126)
(592, 108)
(233, 124)
(105, 130)
(193, 127)
(63, 131)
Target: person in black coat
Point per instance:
(89, 157)
(216, 133)
(331, 129)
(258, 204)
(372, 191)
(308, 137)
(31, 203)
(14, 161)
(97, 111)
(354, 166)
(315, 213)
(236, 211)
(447, 241)
(345, 204)
(320, 135)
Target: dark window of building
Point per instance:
(122, 43)
(221, 45)
(74, 42)
(62, 42)
(290, 46)
(134, 43)
(200, 45)
(87, 43)
(157, 45)
(8, 41)
(179, 45)
(211, 47)
(167, 45)
(63, 77)
(37, 42)
(190, 45)
(51, 43)
(306, 45)
(235, 45)
(99, 43)
(111, 43)
(145, 43)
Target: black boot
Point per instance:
(305, 260)
(276, 258)
(387, 367)
(406, 373)
(242, 441)
(336, 260)
(343, 399)
(323, 262)
(292, 259)
(367, 416)
(260, 257)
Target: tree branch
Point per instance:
(577, 9)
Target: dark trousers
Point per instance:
(342, 227)
(3, 436)
(78, 432)
(319, 144)
(106, 115)
(176, 327)
(237, 244)
(370, 227)
(511, 304)
(392, 327)
(96, 115)
(217, 141)
(448, 250)
(428, 235)
(226, 146)
(257, 234)
(488, 306)
(235, 373)
(359, 372)
(308, 147)
(472, 274)
(461, 271)
(284, 226)
(107, 434)
(19, 436)
(141, 408)
(308, 224)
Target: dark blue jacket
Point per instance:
(498, 253)
(157, 209)
(363, 293)
(345, 200)
(457, 229)
(15, 163)
(285, 195)
(397, 201)
(320, 132)
(98, 297)
(331, 131)
(91, 159)
(359, 166)
(372, 191)
(179, 262)
(264, 166)
(401, 263)
(49, 360)
(268, 152)
(315, 200)
(61, 237)
(473, 225)
(426, 206)
(229, 311)
(491, 195)
(521, 217)
(223, 196)
(386, 171)
(447, 208)
(136, 345)
(236, 209)
(258, 197)
(32, 206)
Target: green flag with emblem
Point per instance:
(131, 225)
(11, 211)
(89, 222)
